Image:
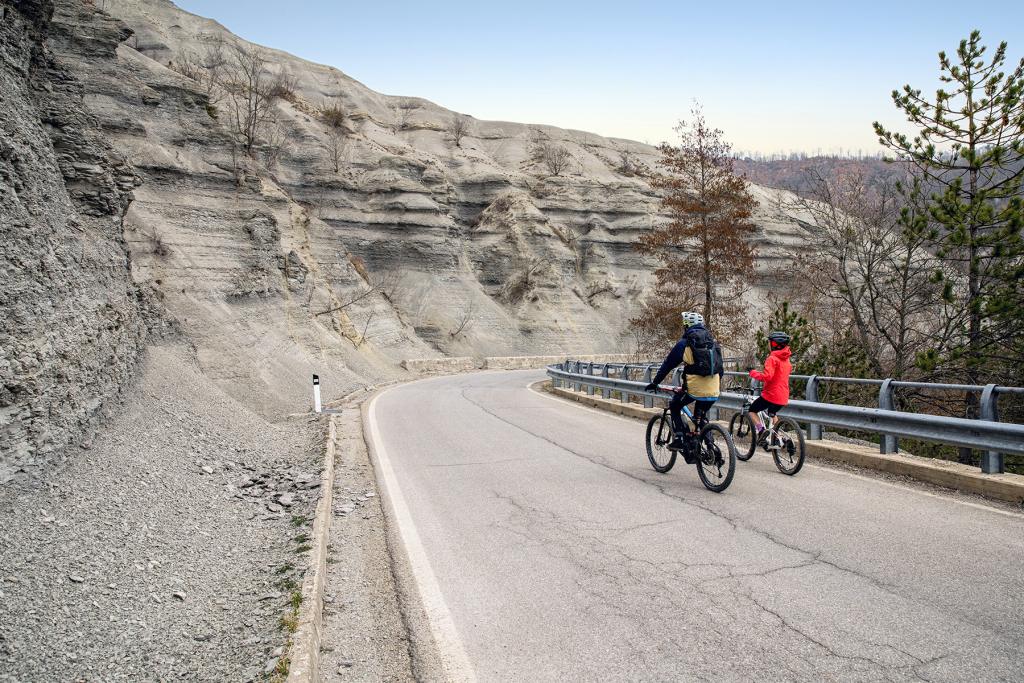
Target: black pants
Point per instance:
(700, 410)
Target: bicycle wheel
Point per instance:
(789, 456)
(659, 436)
(716, 461)
(741, 429)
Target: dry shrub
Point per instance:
(503, 203)
(333, 116)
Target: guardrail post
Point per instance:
(579, 369)
(991, 461)
(624, 395)
(557, 382)
(886, 401)
(813, 430)
(605, 393)
(590, 371)
(648, 400)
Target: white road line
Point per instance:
(902, 487)
(453, 656)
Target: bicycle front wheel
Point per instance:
(789, 456)
(716, 458)
(659, 436)
(744, 435)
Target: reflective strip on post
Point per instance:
(316, 393)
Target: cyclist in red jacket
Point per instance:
(777, 367)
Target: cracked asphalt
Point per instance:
(563, 556)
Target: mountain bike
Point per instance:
(781, 436)
(708, 446)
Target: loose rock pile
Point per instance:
(171, 550)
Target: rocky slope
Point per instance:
(72, 319)
(129, 205)
(475, 231)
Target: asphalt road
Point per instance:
(546, 548)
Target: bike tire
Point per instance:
(716, 459)
(744, 435)
(659, 436)
(789, 458)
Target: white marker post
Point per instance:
(316, 393)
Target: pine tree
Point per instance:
(705, 249)
(969, 150)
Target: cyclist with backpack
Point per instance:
(702, 371)
(777, 367)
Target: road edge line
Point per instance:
(454, 659)
(304, 654)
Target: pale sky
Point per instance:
(773, 76)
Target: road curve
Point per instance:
(547, 549)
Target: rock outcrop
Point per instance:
(353, 231)
(72, 319)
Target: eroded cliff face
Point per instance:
(338, 255)
(72, 320)
(553, 271)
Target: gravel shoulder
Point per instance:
(171, 549)
(365, 637)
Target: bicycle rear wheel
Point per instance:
(789, 457)
(659, 436)
(744, 435)
(716, 458)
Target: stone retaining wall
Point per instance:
(528, 362)
(462, 364)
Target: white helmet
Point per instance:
(690, 318)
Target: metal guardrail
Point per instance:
(988, 435)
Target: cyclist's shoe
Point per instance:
(676, 445)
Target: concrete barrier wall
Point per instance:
(538, 362)
(461, 364)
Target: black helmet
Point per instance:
(779, 339)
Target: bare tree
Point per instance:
(336, 146)
(389, 284)
(213, 61)
(465, 321)
(627, 165)
(252, 92)
(366, 328)
(404, 114)
(187, 63)
(457, 126)
(276, 141)
(557, 158)
(868, 257)
(333, 117)
(284, 84)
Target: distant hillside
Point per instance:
(789, 173)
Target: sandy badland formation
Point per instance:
(132, 218)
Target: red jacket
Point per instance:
(775, 377)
